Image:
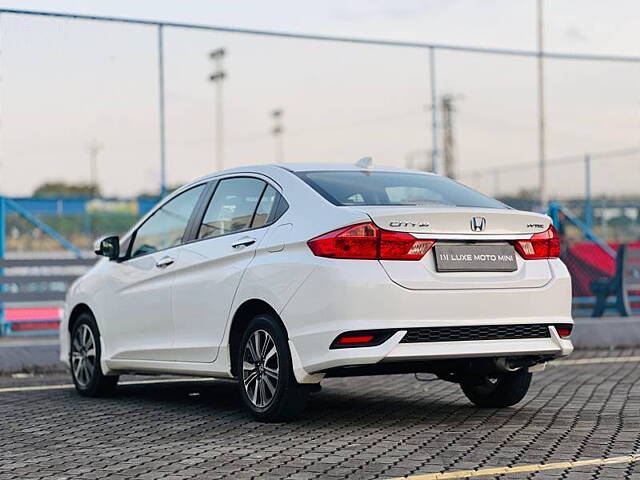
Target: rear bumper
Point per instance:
(338, 298)
(393, 351)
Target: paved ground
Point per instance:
(32, 354)
(621, 332)
(375, 427)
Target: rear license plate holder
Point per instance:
(475, 258)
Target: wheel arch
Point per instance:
(241, 318)
(79, 309)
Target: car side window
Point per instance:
(265, 207)
(166, 227)
(232, 207)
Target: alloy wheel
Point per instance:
(83, 355)
(260, 368)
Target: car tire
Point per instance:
(497, 392)
(263, 364)
(84, 357)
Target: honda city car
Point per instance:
(282, 275)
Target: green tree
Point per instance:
(62, 189)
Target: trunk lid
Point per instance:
(462, 226)
(451, 221)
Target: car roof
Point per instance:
(309, 167)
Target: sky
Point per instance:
(68, 84)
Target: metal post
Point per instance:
(3, 231)
(163, 165)
(219, 127)
(88, 227)
(588, 208)
(435, 161)
(544, 194)
(3, 227)
(554, 213)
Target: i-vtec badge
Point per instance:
(409, 224)
(535, 225)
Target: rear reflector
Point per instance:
(362, 338)
(563, 330)
(541, 245)
(352, 340)
(366, 241)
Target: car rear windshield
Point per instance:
(351, 187)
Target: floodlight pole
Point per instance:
(217, 77)
(94, 149)
(435, 160)
(542, 169)
(163, 163)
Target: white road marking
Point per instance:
(64, 386)
(596, 360)
(27, 343)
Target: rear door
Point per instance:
(211, 266)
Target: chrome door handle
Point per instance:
(244, 242)
(164, 262)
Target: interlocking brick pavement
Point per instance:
(356, 428)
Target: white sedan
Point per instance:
(282, 275)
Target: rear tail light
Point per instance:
(564, 330)
(541, 245)
(368, 242)
(357, 241)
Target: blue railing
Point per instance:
(29, 209)
(583, 305)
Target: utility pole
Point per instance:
(217, 77)
(448, 141)
(94, 149)
(435, 159)
(277, 132)
(542, 170)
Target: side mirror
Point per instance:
(108, 247)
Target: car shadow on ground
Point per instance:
(220, 400)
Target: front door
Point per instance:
(138, 314)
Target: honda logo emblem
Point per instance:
(478, 224)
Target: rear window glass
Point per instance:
(394, 188)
